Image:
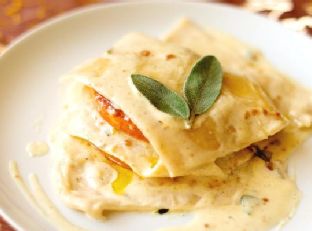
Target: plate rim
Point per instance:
(98, 6)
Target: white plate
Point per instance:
(29, 72)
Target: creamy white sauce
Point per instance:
(221, 210)
(276, 195)
(276, 200)
(37, 148)
(38, 124)
(40, 201)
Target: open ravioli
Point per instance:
(160, 143)
(82, 118)
(89, 182)
(242, 59)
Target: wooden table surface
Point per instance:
(17, 16)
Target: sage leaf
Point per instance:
(161, 97)
(204, 84)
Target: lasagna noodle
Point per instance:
(242, 114)
(238, 57)
(81, 118)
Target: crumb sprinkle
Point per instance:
(145, 53)
(170, 56)
(128, 143)
(265, 200)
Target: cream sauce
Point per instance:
(276, 195)
(278, 198)
(224, 213)
(38, 124)
(37, 148)
(40, 201)
(212, 202)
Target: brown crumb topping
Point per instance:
(247, 115)
(264, 111)
(278, 115)
(145, 53)
(231, 129)
(170, 56)
(128, 143)
(265, 200)
(255, 112)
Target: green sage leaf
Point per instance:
(203, 85)
(161, 97)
